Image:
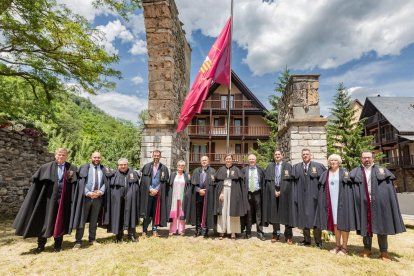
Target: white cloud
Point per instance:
(118, 105)
(112, 31)
(137, 79)
(305, 34)
(136, 23)
(84, 8)
(139, 47)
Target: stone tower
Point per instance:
(169, 57)
(300, 123)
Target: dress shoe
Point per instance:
(155, 234)
(275, 238)
(57, 249)
(221, 236)
(261, 237)
(385, 257)
(289, 241)
(233, 237)
(247, 236)
(319, 245)
(93, 243)
(39, 249)
(77, 246)
(365, 253)
(133, 239)
(118, 240)
(303, 243)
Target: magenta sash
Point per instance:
(58, 230)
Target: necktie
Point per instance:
(96, 186)
(60, 172)
(203, 177)
(305, 169)
(251, 181)
(277, 174)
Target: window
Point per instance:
(238, 148)
(223, 100)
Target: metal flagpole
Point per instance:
(229, 88)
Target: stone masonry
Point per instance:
(300, 124)
(20, 157)
(168, 79)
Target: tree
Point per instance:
(266, 149)
(345, 132)
(44, 44)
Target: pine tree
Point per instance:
(265, 149)
(345, 133)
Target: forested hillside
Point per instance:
(69, 121)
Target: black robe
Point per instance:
(77, 219)
(147, 172)
(191, 198)
(278, 210)
(122, 191)
(239, 204)
(385, 210)
(171, 191)
(37, 215)
(346, 213)
(305, 193)
(245, 172)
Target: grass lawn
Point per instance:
(189, 255)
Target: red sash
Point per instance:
(330, 223)
(157, 210)
(369, 215)
(58, 230)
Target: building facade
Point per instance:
(208, 130)
(390, 120)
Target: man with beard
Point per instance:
(122, 206)
(88, 198)
(277, 198)
(305, 197)
(154, 193)
(253, 179)
(199, 209)
(46, 209)
(377, 204)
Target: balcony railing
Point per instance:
(389, 136)
(218, 158)
(234, 130)
(235, 104)
(373, 119)
(404, 161)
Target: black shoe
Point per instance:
(261, 237)
(118, 240)
(133, 239)
(319, 245)
(303, 243)
(57, 249)
(39, 249)
(247, 236)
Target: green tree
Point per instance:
(266, 149)
(44, 44)
(345, 132)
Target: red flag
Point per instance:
(216, 67)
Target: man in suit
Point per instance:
(154, 194)
(92, 181)
(306, 175)
(278, 197)
(253, 179)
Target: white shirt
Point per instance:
(368, 176)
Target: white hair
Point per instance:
(335, 157)
(123, 160)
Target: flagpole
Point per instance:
(229, 88)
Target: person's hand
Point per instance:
(221, 198)
(153, 192)
(277, 194)
(202, 192)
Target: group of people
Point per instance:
(229, 201)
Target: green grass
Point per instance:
(188, 255)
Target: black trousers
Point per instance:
(317, 235)
(199, 212)
(91, 209)
(288, 233)
(382, 242)
(255, 202)
(151, 208)
(131, 231)
(41, 242)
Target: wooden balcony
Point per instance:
(399, 162)
(246, 131)
(234, 105)
(218, 158)
(389, 137)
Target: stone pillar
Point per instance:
(169, 57)
(300, 123)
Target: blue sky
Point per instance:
(368, 45)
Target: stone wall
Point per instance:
(20, 156)
(300, 124)
(169, 58)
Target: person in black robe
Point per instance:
(277, 197)
(200, 199)
(45, 211)
(336, 205)
(253, 179)
(231, 196)
(305, 197)
(377, 204)
(88, 200)
(122, 202)
(154, 191)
